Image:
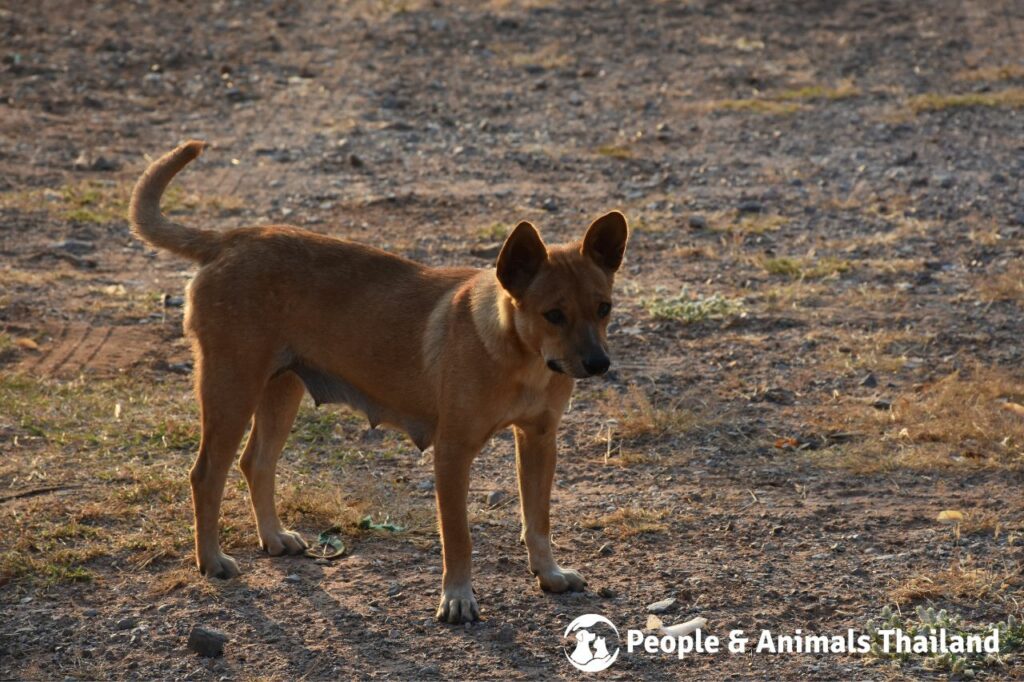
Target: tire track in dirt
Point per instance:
(77, 348)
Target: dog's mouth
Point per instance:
(554, 366)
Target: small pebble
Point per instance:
(207, 642)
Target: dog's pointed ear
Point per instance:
(605, 242)
(521, 258)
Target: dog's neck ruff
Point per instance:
(493, 318)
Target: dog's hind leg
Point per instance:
(227, 401)
(270, 428)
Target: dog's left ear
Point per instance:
(605, 242)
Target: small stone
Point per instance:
(750, 206)
(606, 549)
(698, 222)
(206, 641)
(429, 671)
(881, 404)
(606, 592)
(169, 301)
(494, 498)
(661, 606)
(103, 164)
(126, 623)
(549, 204)
(395, 590)
(355, 161)
(90, 613)
(575, 99)
(425, 486)
(945, 180)
(779, 396)
(293, 578)
(164, 608)
(869, 380)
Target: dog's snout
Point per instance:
(597, 364)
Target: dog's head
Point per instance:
(562, 296)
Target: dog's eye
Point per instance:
(604, 309)
(555, 316)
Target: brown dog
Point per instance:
(449, 355)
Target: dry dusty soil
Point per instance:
(817, 333)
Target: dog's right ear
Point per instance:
(520, 259)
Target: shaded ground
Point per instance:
(835, 188)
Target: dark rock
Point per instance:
(881, 404)
(606, 592)
(905, 159)
(869, 380)
(103, 164)
(126, 623)
(169, 301)
(494, 498)
(698, 222)
(779, 396)
(206, 641)
(750, 206)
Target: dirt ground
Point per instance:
(816, 341)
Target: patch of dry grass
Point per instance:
(1007, 285)
(103, 202)
(550, 56)
(634, 425)
(785, 102)
(808, 267)
(843, 90)
(960, 420)
(957, 582)
(1002, 72)
(757, 223)
(1012, 98)
(764, 107)
(615, 151)
(634, 416)
(629, 521)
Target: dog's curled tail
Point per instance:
(152, 226)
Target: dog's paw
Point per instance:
(283, 542)
(219, 566)
(561, 580)
(458, 605)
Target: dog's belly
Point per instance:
(327, 388)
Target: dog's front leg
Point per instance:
(535, 465)
(452, 462)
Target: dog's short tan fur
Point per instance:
(449, 355)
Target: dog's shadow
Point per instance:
(343, 617)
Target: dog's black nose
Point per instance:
(597, 364)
